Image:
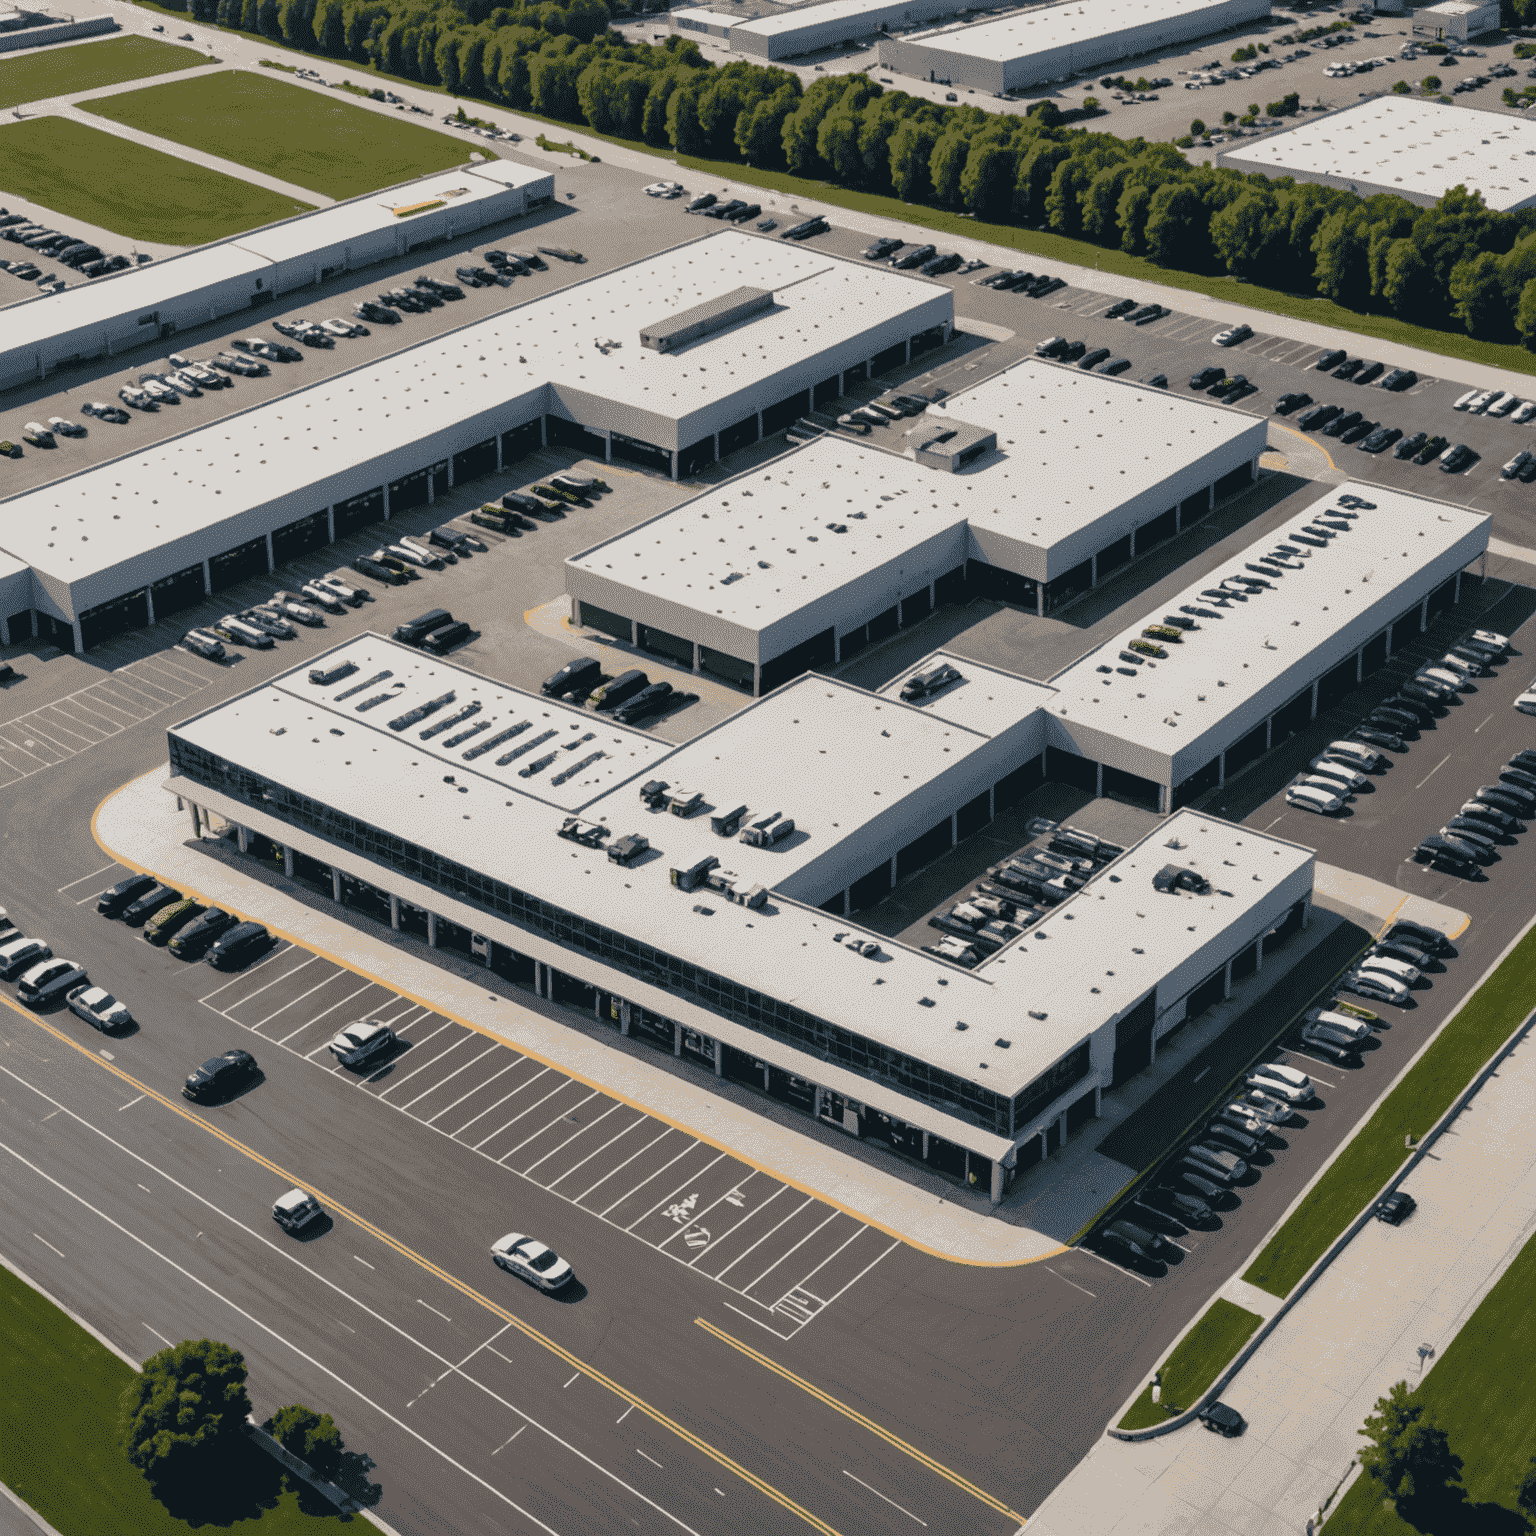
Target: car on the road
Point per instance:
(1395, 1208)
(48, 981)
(533, 1261)
(360, 1042)
(115, 899)
(1222, 1420)
(236, 946)
(99, 1008)
(297, 1210)
(220, 1075)
(191, 941)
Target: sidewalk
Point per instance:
(1358, 1330)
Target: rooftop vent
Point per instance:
(1175, 877)
(706, 319)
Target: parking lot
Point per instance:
(784, 1255)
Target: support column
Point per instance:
(1258, 964)
(997, 1183)
(1093, 575)
(634, 633)
(759, 426)
(954, 828)
(335, 885)
(242, 839)
(1359, 666)
(197, 820)
(538, 978)
(288, 861)
(1098, 780)
(74, 624)
(717, 447)
(1152, 1052)
(757, 680)
(450, 471)
(330, 523)
(207, 580)
(1178, 517)
(1269, 732)
(674, 463)
(1314, 699)
(909, 349)
(431, 488)
(1061, 1129)
(1211, 496)
(394, 912)
(925, 1146)
(5, 630)
(837, 648)
(810, 398)
(432, 929)
(624, 1019)
(677, 1038)
(1423, 615)
(992, 802)
(271, 559)
(1164, 799)
(816, 1104)
(543, 432)
(1388, 633)
(149, 605)
(1039, 599)
(1098, 1101)
(1045, 1146)
(386, 501)
(719, 1059)
(847, 900)
(608, 447)
(1226, 981)
(1306, 911)
(764, 1066)
(1456, 590)
(1221, 771)
(1133, 544)
(893, 871)
(499, 465)
(695, 657)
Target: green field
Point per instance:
(63, 165)
(61, 71)
(1477, 1393)
(315, 141)
(59, 1392)
(1490, 1017)
(1201, 1356)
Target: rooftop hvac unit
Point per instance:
(1175, 877)
(378, 677)
(628, 848)
(726, 825)
(411, 716)
(323, 677)
(589, 834)
(692, 878)
(684, 802)
(769, 831)
(730, 885)
(654, 793)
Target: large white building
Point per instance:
(803, 562)
(1055, 42)
(830, 24)
(112, 546)
(153, 302)
(747, 970)
(1417, 149)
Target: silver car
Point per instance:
(361, 1042)
(99, 1008)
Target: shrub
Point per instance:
(1197, 128)
(312, 1437)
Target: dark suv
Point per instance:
(113, 902)
(220, 1076)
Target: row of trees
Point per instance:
(1455, 264)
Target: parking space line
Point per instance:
(276, 954)
(493, 1046)
(692, 1143)
(528, 1171)
(1316, 1063)
(503, 1099)
(809, 1199)
(534, 1135)
(83, 878)
(805, 1280)
(515, 1118)
(102, 705)
(1118, 1268)
(746, 1289)
(324, 982)
(315, 1018)
(713, 1205)
(468, 1034)
(476, 1089)
(80, 727)
(736, 1228)
(674, 1193)
(622, 1166)
(267, 985)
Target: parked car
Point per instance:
(191, 941)
(237, 946)
(1222, 1420)
(362, 1042)
(1395, 1208)
(144, 907)
(159, 928)
(48, 981)
(113, 901)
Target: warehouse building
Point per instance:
(1457, 19)
(835, 22)
(153, 302)
(1414, 148)
(748, 972)
(1058, 41)
(804, 562)
(116, 545)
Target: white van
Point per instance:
(1398, 970)
(1291, 1075)
(1309, 797)
(1439, 674)
(1481, 401)
(1355, 1029)
(1356, 752)
(1503, 403)
(1351, 778)
(1326, 782)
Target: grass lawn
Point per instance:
(59, 71)
(323, 142)
(58, 162)
(1197, 1361)
(1478, 1394)
(1490, 1016)
(59, 1392)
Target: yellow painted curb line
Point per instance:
(1281, 426)
(862, 1421)
(586, 1082)
(422, 1262)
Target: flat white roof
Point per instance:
(92, 521)
(705, 18)
(815, 16)
(1058, 26)
(1209, 676)
(1401, 144)
(1043, 996)
(986, 699)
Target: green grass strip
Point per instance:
(62, 71)
(1490, 1016)
(1200, 1357)
(1474, 1391)
(59, 1393)
(322, 142)
(146, 195)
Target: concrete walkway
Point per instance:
(1307, 1391)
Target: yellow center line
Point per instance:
(422, 1262)
(860, 1419)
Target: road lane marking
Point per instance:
(1433, 771)
(864, 1422)
(363, 1262)
(129, 1104)
(154, 1331)
(510, 1438)
(576, 1377)
(46, 1244)
(680, 1431)
(892, 1502)
(431, 1308)
(1073, 1283)
(650, 1459)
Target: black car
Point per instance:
(1410, 445)
(1454, 460)
(378, 572)
(814, 226)
(649, 701)
(1424, 710)
(1430, 939)
(909, 260)
(1381, 439)
(1147, 314)
(1399, 379)
(220, 1075)
(446, 637)
(1319, 416)
(1369, 374)
(720, 210)
(700, 203)
(1072, 351)
(743, 215)
(1206, 377)
(112, 902)
(575, 680)
(236, 946)
(1349, 368)
(1400, 721)
(1124, 307)
(148, 904)
(1525, 758)
(1044, 286)
(201, 932)
(1222, 1420)
(1052, 346)
(1369, 734)
(1361, 429)
(1156, 381)
(1393, 1208)
(1187, 1208)
(1093, 357)
(414, 631)
(1430, 449)
(1330, 360)
(941, 264)
(1292, 400)
(886, 245)
(1115, 365)
(1341, 424)
(1438, 848)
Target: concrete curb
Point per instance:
(74, 1317)
(1340, 1244)
(301, 1469)
(27, 1510)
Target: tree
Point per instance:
(946, 164)
(1407, 283)
(311, 1436)
(1477, 296)
(1525, 1495)
(1197, 127)
(912, 147)
(1409, 1454)
(1176, 225)
(986, 183)
(1431, 83)
(187, 1404)
(1248, 231)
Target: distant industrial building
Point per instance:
(804, 562)
(1457, 20)
(155, 301)
(117, 545)
(1416, 149)
(810, 28)
(1058, 41)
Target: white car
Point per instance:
(1526, 703)
(664, 189)
(1464, 402)
(97, 1006)
(1263, 1107)
(48, 981)
(349, 594)
(1523, 412)
(359, 1043)
(1325, 782)
(1310, 798)
(1398, 970)
(1481, 401)
(343, 328)
(294, 608)
(1491, 637)
(1503, 403)
(313, 592)
(1375, 984)
(66, 428)
(531, 1260)
(1281, 1073)
(1330, 1039)
(1350, 778)
(1352, 1030)
(1444, 675)
(1287, 1093)
(184, 383)
(1357, 753)
(1232, 335)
